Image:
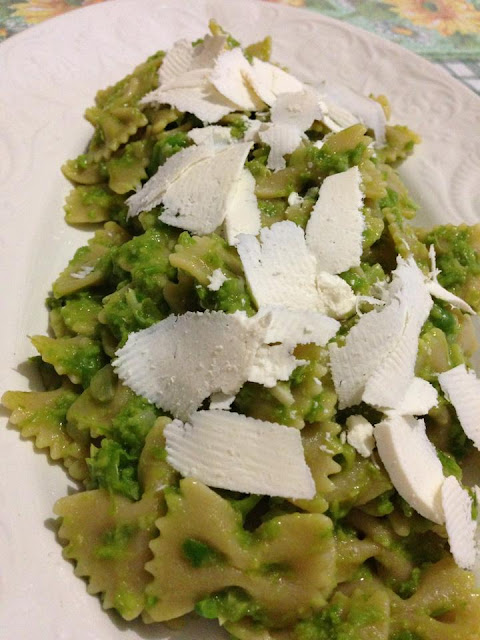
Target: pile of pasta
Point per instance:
(354, 562)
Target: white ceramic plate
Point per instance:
(49, 75)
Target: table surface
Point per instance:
(447, 32)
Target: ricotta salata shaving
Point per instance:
(412, 464)
(459, 521)
(231, 451)
(282, 271)
(462, 388)
(360, 435)
(362, 108)
(152, 192)
(334, 231)
(179, 362)
(377, 362)
(279, 268)
(198, 206)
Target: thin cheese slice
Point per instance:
(476, 566)
(366, 345)
(337, 296)
(272, 363)
(363, 109)
(377, 363)
(193, 93)
(421, 396)
(461, 527)
(463, 390)
(206, 53)
(242, 214)
(294, 327)
(177, 61)
(360, 435)
(298, 109)
(337, 118)
(221, 401)
(183, 57)
(180, 361)
(282, 139)
(215, 135)
(269, 81)
(389, 383)
(412, 464)
(231, 451)
(279, 269)
(229, 78)
(291, 115)
(253, 128)
(150, 195)
(334, 231)
(197, 200)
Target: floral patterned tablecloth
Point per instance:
(445, 31)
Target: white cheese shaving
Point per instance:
(193, 93)
(231, 451)
(198, 204)
(269, 81)
(253, 128)
(242, 214)
(216, 280)
(151, 193)
(229, 78)
(476, 566)
(294, 327)
(279, 269)
(207, 52)
(377, 363)
(363, 109)
(461, 527)
(419, 398)
(184, 80)
(412, 464)
(83, 272)
(334, 231)
(298, 109)
(337, 296)
(215, 135)
(291, 115)
(178, 362)
(221, 401)
(183, 57)
(177, 60)
(366, 345)
(360, 435)
(462, 388)
(337, 118)
(272, 363)
(391, 379)
(210, 82)
(282, 140)
(437, 291)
